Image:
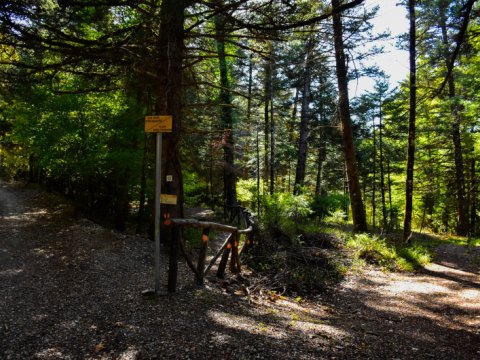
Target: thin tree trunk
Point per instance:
(257, 139)
(272, 134)
(374, 183)
(258, 170)
(346, 191)
(462, 205)
(390, 207)
(267, 98)
(143, 176)
(382, 169)
(473, 195)
(143, 186)
(229, 176)
(407, 223)
(322, 155)
(2, 152)
(291, 135)
(294, 110)
(358, 211)
(304, 120)
(210, 171)
(321, 158)
(249, 102)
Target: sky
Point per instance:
(394, 62)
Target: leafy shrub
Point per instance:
(247, 192)
(374, 250)
(413, 256)
(284, 213)
(337, 217)
(196, 191)
(325, 205)
(383, 252)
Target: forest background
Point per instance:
(262, 115)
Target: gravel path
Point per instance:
(71, 289)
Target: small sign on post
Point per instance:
(168, 199)
(159, 123)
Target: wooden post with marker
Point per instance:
(158, 125)
(203, 252)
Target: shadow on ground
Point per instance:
(72, 290)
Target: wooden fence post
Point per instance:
(235, 265)
(224, 260)
(203, 253)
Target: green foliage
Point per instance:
(247, 192)
(474, 241)
(385, 253)
(284, 213)
(86, 146)
(414, 255)
(196, 191)
(326, 205)
(90, 145)
(373, 250)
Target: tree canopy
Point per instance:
(259, 95)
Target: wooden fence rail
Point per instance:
(229, 249)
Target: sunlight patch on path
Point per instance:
(245, 323)
(450, 297)
(10, 272)
(419, 287)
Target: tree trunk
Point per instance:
(267, 98)
(169, 96)
(407, 223)
(358, 211)
(374, 183)
(257, 136)
(462, 205)
(272, 134)
(473, 195)
(382, 169)
(143, 177)
(390, 206)
(304, 120)
(143, 187)
(321, 158)
(291, 135)
(229, 177)
(249, 111)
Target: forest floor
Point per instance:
(71, 289)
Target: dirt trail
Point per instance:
(70, 289)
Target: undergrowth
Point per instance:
(388, 253)
(473, 241)
(323, 255)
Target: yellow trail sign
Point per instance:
(156, 124)
(168, 199)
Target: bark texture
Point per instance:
(169, 96)
(407, 223)
(229, 175)
(358, 211)
(304, 120)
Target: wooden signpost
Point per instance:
(159, 125)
